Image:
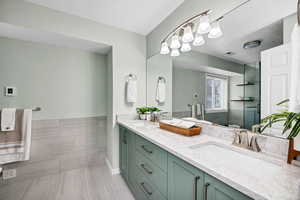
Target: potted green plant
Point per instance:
(290, 120)
(154, 114)
(142, 112)
(145, 112)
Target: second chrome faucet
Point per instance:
(241, 139)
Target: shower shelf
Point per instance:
(249, 100)
(245, 84)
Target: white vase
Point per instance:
(143, 116)
(297, 142)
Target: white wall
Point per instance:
(64, 82)
(159, 66)
(128, 51)
(288, 25)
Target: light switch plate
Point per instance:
(9, 173)
(10, 91)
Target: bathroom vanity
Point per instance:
(160, 165)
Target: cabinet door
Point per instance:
(184, 181)
(217, 190)
(123, 152)
(130, 138)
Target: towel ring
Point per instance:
(131, 76)
(161, 78)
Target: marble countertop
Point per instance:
(254, 174)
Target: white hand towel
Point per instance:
(160, 92)
(193, 110)
(131, 91)
(8, 118)
(198, 109)
(26, 133)
(294, 104)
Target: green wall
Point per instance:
(66, 83)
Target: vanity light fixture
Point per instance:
(215, 31)
(199, 24)
(175, 52)
(188, 35)
(204, 24)
(164, 48)
(185, 47)
(199, 40)
(175, 44)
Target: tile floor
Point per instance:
(91, 183)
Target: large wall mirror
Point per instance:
(226, 80)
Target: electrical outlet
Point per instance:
(9, 173)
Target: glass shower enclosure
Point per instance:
(244, 94)
(251, 103)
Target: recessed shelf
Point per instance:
(242, 100)
(245, 84)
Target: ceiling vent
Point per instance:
(252, 44)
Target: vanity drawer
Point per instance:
(157, 176)
(146, 188)
(152, 152)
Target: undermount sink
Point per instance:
(234, 157)
(141, 123)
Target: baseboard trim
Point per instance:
(113, 171)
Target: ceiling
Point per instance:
(258, 19)
(140, 16)
(10, 31)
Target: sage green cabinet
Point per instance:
(127, 155)
(184, 181)
(123, 152)
(217, 190)
(154, 174)
(152, 152)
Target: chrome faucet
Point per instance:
(241, 139)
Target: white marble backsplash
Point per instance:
(273, 146)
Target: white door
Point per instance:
(275, 81)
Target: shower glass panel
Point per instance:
(251, 95)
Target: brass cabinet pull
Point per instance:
(205, 190)
(145, 169)
(196, 187)
(145, 189)
(147, 150)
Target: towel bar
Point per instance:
(36, 109)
